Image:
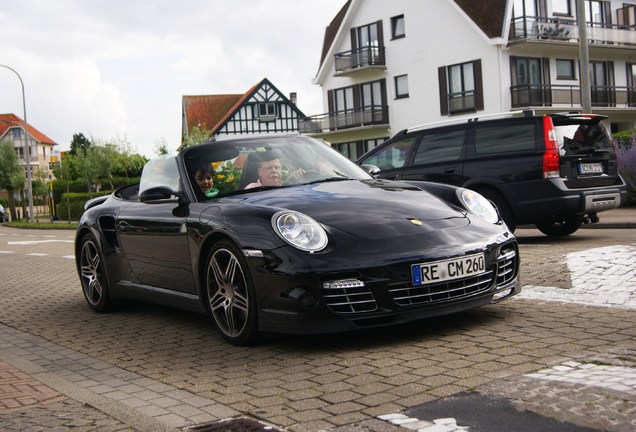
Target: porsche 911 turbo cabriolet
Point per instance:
(286, 235)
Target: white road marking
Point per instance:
(600, 277)
(32, 242)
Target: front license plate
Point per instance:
(590, 168)
(446, 270)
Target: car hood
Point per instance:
(365, 208)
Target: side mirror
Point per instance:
(371, 169)
(158, 194)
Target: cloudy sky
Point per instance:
(117, 69)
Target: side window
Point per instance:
(393, 155)
(504, 138)
(440, 147)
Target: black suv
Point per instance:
(556, 171)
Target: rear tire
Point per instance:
(502, 206)
(560, 227)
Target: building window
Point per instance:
(631, 84)
(401, 87)
(17, 133)
(267, 111)
(562, 7)
(461, 88)
(397, 27)
(565, 69)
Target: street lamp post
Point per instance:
(26, 145)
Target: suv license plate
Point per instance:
(446, 270)
(590, 168)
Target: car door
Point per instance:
(439, 157)
(155, 242)
(153, 235)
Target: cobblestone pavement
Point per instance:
(152, 368)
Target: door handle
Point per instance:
(450, 170)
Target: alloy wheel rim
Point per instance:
(90, 269)
(227, 293)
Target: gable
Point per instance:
(242, 114)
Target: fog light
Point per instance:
(343, 284)
(501, 294)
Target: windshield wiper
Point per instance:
(330, 179)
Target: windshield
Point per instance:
(248, 165)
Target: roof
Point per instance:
(487, 14)
(206, 111)
(9, 121)
(332, 30)
(211, 112)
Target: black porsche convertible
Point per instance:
(286, 235)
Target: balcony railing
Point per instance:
(360, 117)
(560, 29)
(570, 96)
(367, 56)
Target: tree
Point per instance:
(198, 135)
(79, 144)
(161, 148)
(10, 172)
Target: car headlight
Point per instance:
(478, 205)
(300, 231)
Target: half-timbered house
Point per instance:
(263, 109)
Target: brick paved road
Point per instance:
(302, 383)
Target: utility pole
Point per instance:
(27, 148)
(584, 58)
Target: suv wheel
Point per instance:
(502, 207)
(560, 227)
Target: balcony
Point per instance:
(529, 28)
(570, 96)
(342, 120)
(368, 57)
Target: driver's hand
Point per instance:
(296, 175)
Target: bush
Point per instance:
(625, 144)
(4, 203)
(75, 202)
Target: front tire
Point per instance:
(93, 275)
(230, 294)
(560, 227)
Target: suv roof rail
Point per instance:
(506, 114)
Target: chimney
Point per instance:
(292, 98)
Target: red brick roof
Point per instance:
(8, 121)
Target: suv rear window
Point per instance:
(584, 138)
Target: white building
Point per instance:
(386, 66)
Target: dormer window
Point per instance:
(266, 111)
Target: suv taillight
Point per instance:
(551, 164)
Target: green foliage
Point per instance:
(75, 202)
(4, 203)
(198, 135)
(226, 176)
(9, 166)
(79, 144)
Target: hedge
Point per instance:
(75, 201)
